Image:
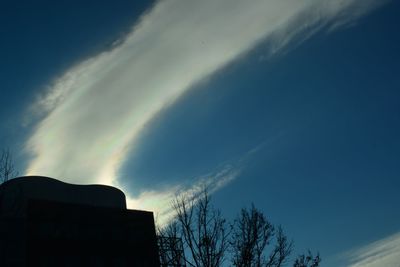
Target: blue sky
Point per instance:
(292, 105)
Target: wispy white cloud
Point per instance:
(94, 112)
(385, 252)
(160, 201)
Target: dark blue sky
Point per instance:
(323, 116)
(329, 113)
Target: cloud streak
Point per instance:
(96, 110)
(385, 252)
(160, 201)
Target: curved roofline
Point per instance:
(17, 192)
(53, 180)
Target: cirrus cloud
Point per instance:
(384, 252)
(96, 110)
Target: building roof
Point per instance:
(15, 194)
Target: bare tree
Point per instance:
(7, 168)
(281, 251)
(251, 235)
(307, 261)
(251, 241)
(204, 230)
(170, 246)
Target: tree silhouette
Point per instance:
(7, 168)
(170, 246)
(203, 229)
(251, 240)
(251, 235)
(307, 261)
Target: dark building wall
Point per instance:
(45, 222)
(62, 234)
(13, 236)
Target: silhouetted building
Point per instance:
(45, 222)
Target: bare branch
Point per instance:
(251, 235)
(7, 169)
(307, 260)
(203, 228)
